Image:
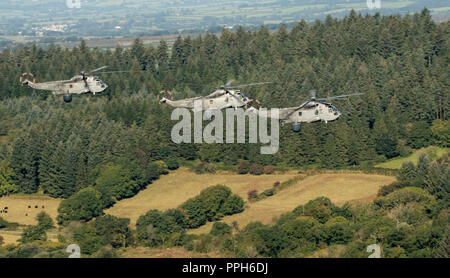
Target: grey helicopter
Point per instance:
(225, 96)
(83, 83)
(313, 110)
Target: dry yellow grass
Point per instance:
(172, 190)
(9, 239)
(340, 188)
(19, 212)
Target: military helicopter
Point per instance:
(79, 84)
(224, 97)
(310, 111)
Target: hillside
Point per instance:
(172, 190)
(396, 163)
(339, 188)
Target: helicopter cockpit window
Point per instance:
(316, 112)
(335, 110)
(300, 113)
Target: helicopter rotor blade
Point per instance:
(98, 69)
(92, 71)
(338, 97)
(110, 72)
(229, 83)
(246, 85)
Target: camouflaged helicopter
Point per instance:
(225, 96)
(79, 84)
(310, 111)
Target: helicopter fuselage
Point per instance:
(309, 112)
(75, 85)
(314, 112)
(219, 99)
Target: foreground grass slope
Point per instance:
(340, 188)
(174, 189)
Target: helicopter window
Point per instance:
(317, 112)
(299, 113)
(211, 101)
(330, 110)
(226, 100)
(71, 86)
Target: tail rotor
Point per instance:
(24, 78)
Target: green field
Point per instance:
(396, 163)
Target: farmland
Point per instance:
(118, 20)
(340, 188)
(174, 189)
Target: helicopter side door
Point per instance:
(221, 102)
(307, 115)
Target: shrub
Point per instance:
(162, 167)
(404, 196)
(257, 169)
(338, 231)
(386, 189)
(151, 172)
(156, 228)
(234, 204)
(33, 233)
(252, 194)
(7, 181)
(104, 230)
(268, 192)
(243, 167)
(269, 169)
(220, 228)
(320, 208)
(172, 163)
(212, 204)
(3, 223)
(204, 167)
(45, 221)
(298, 210)
(117, 180)
(83, 205)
